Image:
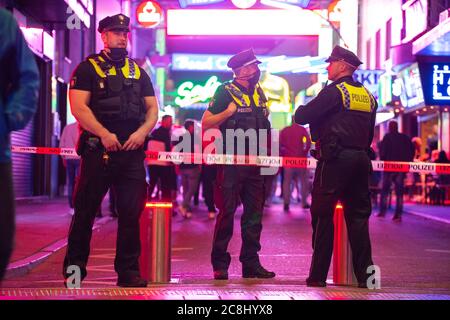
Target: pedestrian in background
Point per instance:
(161, 172)
(190, 172)
(395, 146)
(295, 142)
(69, 139)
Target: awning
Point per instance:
(435, 42)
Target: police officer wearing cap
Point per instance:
(114, 101)
(342, 120)
(239, 104)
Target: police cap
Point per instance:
(242, 59)
(117, 22)
(342, 54)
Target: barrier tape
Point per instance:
(263, 161)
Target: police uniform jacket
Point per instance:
(344, 110)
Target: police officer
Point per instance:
(342, 120)
(114, 101)
(239, 104)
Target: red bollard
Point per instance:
(155, 234)
(342, 253)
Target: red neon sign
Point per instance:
(149, 14)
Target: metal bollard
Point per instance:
(155, 235)
(342, 253)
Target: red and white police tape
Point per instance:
(263, 161)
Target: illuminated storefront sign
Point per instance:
(369, 78)
(200, 62)
(409, 87)
(190, 94)
(149, 14)
(243, 4)
(385, 89)
(441, 83)
(257, 22)
(185, 3)
(436, 83)
(273, 64)
(276, 90)
(416, 15)
(286, 4)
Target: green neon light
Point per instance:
(189, 94)
(161, 83)
(161, 41)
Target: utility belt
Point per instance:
(248, 120)
(331, 150)
(88, 142)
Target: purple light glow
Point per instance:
(257, 22)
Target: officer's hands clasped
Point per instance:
(110, 142)
(135, 141)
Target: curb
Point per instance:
(23, 266)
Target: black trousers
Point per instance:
(344, 179)
(7, 216)
(246, 183)
(209, 173)
(125, 174)
(162, 174)
(398, 178)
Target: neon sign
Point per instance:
(189, 94)
(243, 4)
(185, 3)
(441, 83)
(435, 82)
(276, 90)
(200, 62)
(369, 78)
(273, 64)
(149, 14)
(258, 22)
(408, 81)
(286, 4)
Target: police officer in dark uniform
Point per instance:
(239, 104)
(342, 120)
(114, 101)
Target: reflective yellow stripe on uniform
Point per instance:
(238, 96)
(128, 70)
(355, 98)
(242, 99)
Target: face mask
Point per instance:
(255, 78)
(252, 79)
(118, 53)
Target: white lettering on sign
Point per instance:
(369, 79)
(441, 83)
(149, 14)
(188, 93)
